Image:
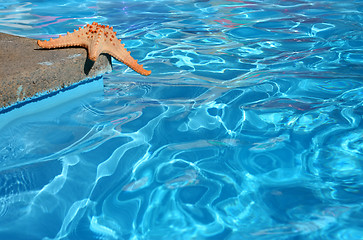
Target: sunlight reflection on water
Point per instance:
(249, 126)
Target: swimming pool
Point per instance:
(249, 127)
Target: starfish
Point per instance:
(97, 39)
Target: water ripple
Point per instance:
(250, 126)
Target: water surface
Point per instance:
(249, 127)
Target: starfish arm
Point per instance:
(70, 40)
(119, 52)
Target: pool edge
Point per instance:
(26, 71)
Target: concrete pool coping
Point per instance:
(27, 71)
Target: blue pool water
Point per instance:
(249, 127)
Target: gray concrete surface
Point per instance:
(26, 71)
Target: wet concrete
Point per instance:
(27, 71)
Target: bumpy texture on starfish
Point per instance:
(97, 39)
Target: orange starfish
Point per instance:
(97, 39)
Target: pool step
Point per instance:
(26, 71)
